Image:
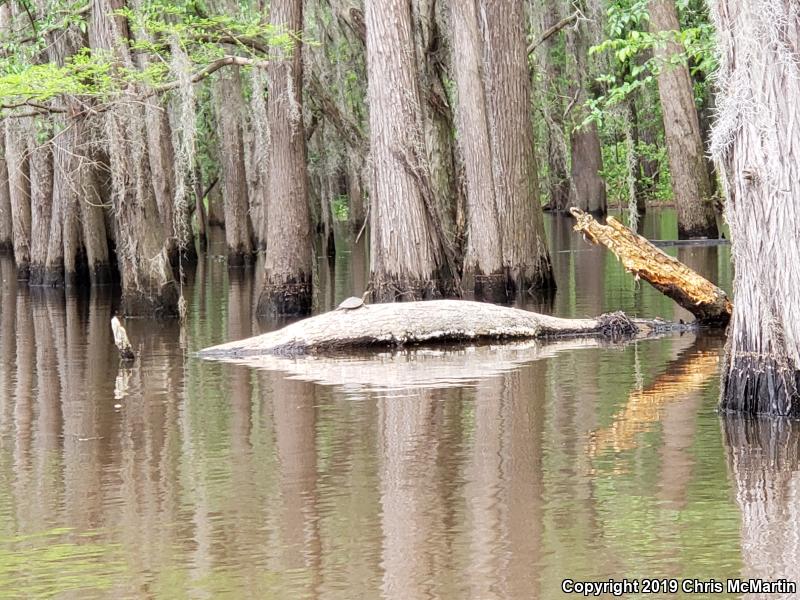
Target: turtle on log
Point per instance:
(353, 302)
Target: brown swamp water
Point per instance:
(480, 473)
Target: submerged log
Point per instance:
(708, 303)
(435, 321)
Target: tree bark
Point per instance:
(407, 260)
(6, 223)
(483, 264)
(19, 184)
(6, 220)
(230, 112)
(63, 187)
(551, 58)
(93, 221)
(437, 121)
(691, 186)
(66, 261)
(756, 147)
(288, 256)
(505, 235)
(41, 174)
(587, 187)
(148, 286)
(508, 90)
(161, 154)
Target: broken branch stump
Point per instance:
(708, 303)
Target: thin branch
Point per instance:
(350, 131)
(236, 40)
(30, 18)
(212, 67)
(571, 103)
(32, 38)
(554, 29)
(36, 105)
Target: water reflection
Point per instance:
(482, 472)
(764, 462)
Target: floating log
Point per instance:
(121, 340)
(708, 303)
(434, 321)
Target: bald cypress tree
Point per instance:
(755, 145)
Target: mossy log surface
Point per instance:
(433, 321)
(708, 303)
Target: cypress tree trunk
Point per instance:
(230, 111)
(41, 173)
(288, 256)
(64, 251)
(93, 221)
(755, 144)
(551, 58)
(506, 250)
(148, 286)
(19, 184)
(6, 226)
(437, 120)
(161, 154)
(407, 259)
(508, 92)
(691, 186)
(65, 256)
(587, 187)
(52, 272)
(483, 264)
(6, 216)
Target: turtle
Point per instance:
(353, 302)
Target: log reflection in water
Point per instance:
(764, 463)
(421, 367)
(688, 374)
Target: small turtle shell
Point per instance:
(350, 303)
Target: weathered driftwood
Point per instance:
(708, 303)
(407, 323)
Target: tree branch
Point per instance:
(350, 131)
(210, 68)
(554, 29)
(235, 40)
(41, 108)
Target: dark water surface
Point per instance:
(486, 472)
